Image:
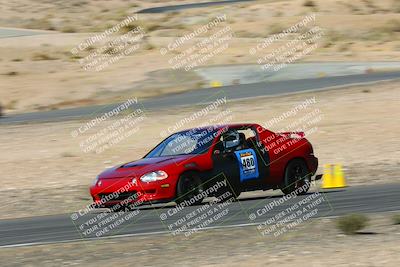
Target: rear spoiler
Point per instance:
(293, 135)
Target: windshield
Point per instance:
(194, 141)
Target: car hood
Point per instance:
(139, 167)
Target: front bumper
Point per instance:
(110, 192)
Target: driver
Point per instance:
(234, 140)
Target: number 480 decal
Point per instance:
(248, 162)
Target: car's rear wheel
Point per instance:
(297, 178)
(189, 189)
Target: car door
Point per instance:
(262, 157)
(225, 165)
(244, 166)
(259, 172)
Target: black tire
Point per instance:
(297, 175)
(189, 188)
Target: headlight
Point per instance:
(154, 176)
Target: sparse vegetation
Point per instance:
(353, 9)
(396, 219)
(11, 104)
(370, 41)
(149, 46)
(74, 57)
(396, 6)
(11, 73)
(351, 224)
(128, 28)
(343, 47)
(309, 3)
(42, 24)
(111, 50)
(79, 3)
(42, 56)
(246, 34)
(371, 6)
(334, 36)
(275, 28)
(90, 48)
(67, 155)
(392, 26)
(68, 29)
(278, 13)
(153, 26)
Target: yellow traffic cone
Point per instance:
(215, 84)
(338, 176)
(327, 179)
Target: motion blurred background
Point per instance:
(46, 94)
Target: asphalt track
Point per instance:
(164, 9)
(198, 97)
(146, 220)
(15, 32)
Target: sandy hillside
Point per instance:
(40, 72)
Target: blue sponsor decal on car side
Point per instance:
(248, 164)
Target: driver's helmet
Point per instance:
(231, 139)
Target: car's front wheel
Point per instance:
(189, 189)
(297, 178)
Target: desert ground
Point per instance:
(315, 243)
(368, 30)
(46, 171)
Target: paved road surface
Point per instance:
(10, 32)
(163, 9)
(61, 228)
(203, 96)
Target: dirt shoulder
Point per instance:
(46, 171)
(314, 243)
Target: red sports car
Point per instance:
(210, 161)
